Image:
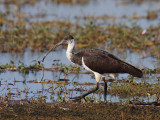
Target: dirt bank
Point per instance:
(78, 111)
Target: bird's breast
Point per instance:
(73, 59)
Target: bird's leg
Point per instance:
(105, 89)
(91, 91)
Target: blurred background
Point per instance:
(129, 29)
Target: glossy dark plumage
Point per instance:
(103, 62)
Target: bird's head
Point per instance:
(68, 39)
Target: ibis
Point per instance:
(101, 63)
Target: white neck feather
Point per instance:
(71, 45)
(70, 48)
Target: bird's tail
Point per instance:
(132, 70)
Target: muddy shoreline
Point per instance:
(79, 111)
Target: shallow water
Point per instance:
(38, 89)
(51, 11)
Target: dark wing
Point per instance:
(103, 62)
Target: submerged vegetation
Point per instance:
(134, 89)
(21, 67)
(16, 36)
(19, 35)
(124, 88)
(82, 2)
(24, 2)
(20, 31)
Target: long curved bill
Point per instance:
(52, 48)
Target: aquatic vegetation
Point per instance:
(134, 89)
(16, 35)
(151, 71)
(67, 69)
(17, 2)
(8, 66)
(24, 2)
(41, 36)
(21, 32)
(71, 1)
(21, 68)
(62, 68)
(125, 2)
(152, 15)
